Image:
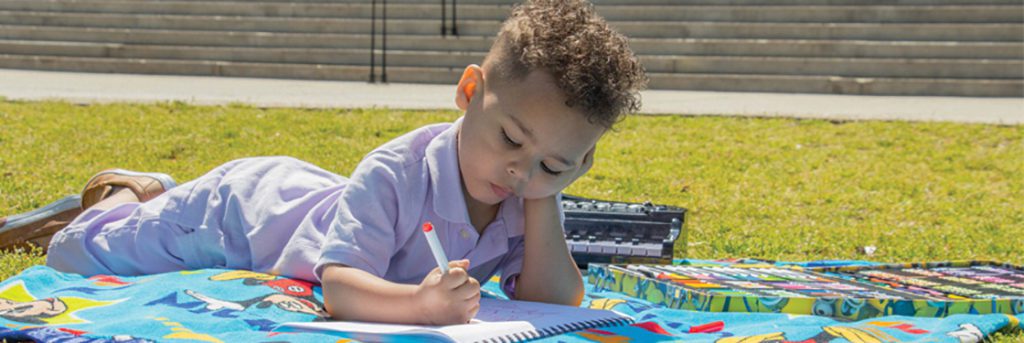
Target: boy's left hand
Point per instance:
(565, 181)
(588, 161)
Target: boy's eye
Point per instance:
(509, 140)
(548, 170)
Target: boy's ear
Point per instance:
(470, 85)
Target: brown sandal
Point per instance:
(35, 228)
(145, 185)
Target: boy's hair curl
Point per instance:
(591, 62)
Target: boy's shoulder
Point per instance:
(411, 147)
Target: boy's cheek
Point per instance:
(548, 191)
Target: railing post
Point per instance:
(373, 40)
(455, 14)
(384, 44)
(444, 19)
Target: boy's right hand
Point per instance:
(452, 298)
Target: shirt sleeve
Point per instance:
(512, 265)
(362, 234)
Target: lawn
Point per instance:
(781, 189)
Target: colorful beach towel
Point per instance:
(217, 305)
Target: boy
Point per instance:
(555, 80)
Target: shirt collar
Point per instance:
(445, 177)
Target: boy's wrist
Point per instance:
(541, 214)
(547, 201)
(418, 303)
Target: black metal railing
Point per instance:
(384, 41)
(455, 18)
(452, 28)
(446, 28)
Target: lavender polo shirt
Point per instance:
(395, 189)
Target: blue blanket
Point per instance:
(216, 305)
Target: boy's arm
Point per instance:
(549, 273)
(352, 294)
(355, 295)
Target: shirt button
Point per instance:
(465, 233)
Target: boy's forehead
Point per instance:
(539, 112)
(538, 92)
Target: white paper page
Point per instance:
(480, 331)
(496, 318)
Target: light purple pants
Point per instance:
(213, 221)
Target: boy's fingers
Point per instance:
(474, 296)
(464, 264)
(468, 290)
(455, 277)
(473, 310)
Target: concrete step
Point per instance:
(599, 3)
(826, 31)
(179, 67)
(642, 46)
(828, 48)
(818, 14)
(850, 67)
(238, 23)
(846, 67)
(326, 56)
(728, 82)
(242, 38)
(839, 85)
(652, 29)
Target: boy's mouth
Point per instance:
(501, 192)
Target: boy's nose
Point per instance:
(516, 174)
(519, 179)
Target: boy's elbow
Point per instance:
(332, 280)
(329, 298)
(569, 295)
(576, 297)
(574, 291)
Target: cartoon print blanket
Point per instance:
(217, 305)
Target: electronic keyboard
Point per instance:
(602, 231)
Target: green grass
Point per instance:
(781, 189)
(14, 262)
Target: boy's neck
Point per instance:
(480, 214)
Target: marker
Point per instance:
(435, 247)
(708, 328)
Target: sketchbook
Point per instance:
(497, 321)
(933, 289)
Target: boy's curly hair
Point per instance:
(591, 62)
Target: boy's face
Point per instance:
(520, 139)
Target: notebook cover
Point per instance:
(935, 289)
(498, 320)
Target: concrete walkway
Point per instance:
(88, 87)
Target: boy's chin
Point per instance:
(487, 199)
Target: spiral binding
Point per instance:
(557, 330)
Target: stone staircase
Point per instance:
(879, 47)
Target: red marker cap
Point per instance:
(715, 326)
(427, 227)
